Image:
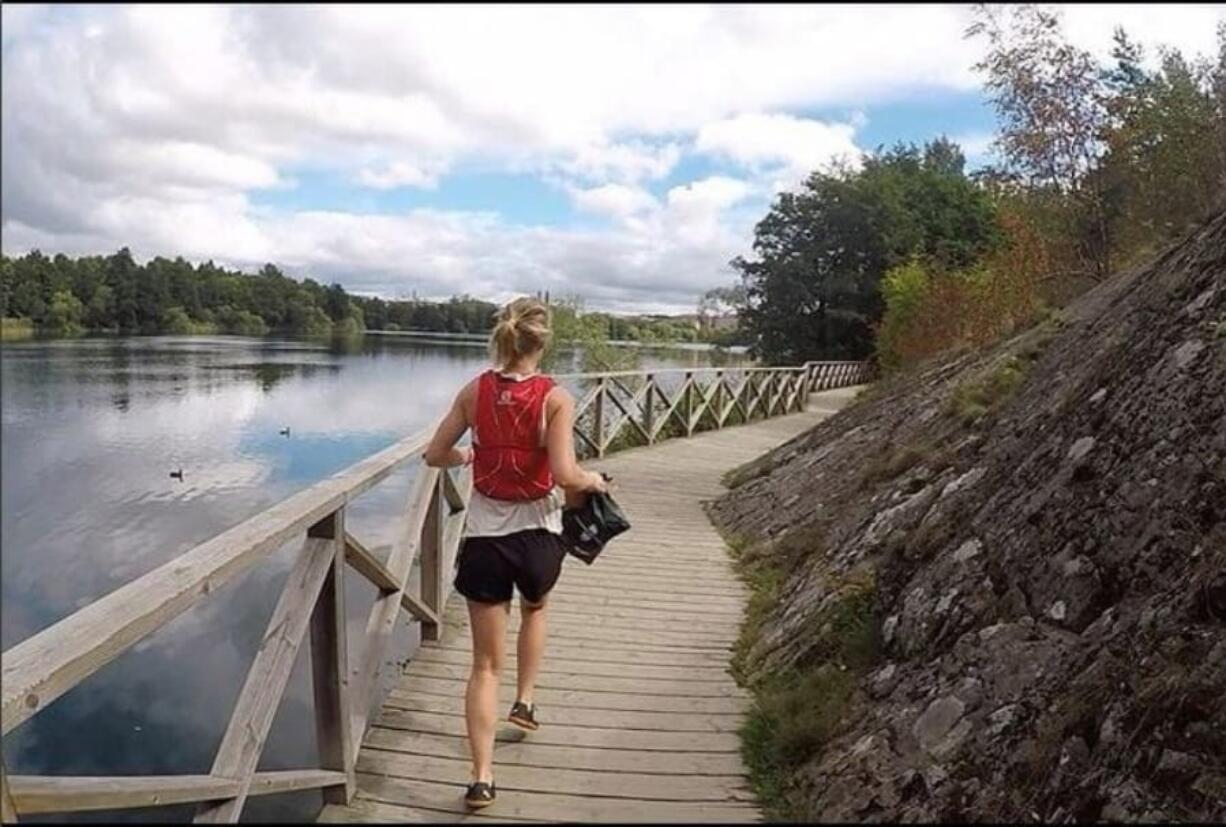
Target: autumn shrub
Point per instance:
(929, 311)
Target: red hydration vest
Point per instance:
(509, 462)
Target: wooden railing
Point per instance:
(43, 667)
(622, 409)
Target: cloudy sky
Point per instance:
(618, 153)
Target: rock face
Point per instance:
(1050, 579)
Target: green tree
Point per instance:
(64, 314)
(813, 292)
(1048, 98)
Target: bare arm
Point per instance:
(441, 452)
(560, 444)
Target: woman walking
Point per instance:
(522, 448)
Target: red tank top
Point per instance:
(509, 462)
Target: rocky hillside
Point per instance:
(995, 589)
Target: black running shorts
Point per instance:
(491, 567)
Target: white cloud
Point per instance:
(401, 174)
(154, 126)
(783, 147)
(616, 200)
(976, 146)
(626, 162)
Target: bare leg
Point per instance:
(530, 648)
(489, 629)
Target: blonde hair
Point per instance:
(522, 329)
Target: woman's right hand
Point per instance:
(597, 482)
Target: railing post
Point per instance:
(598, 425)
(649, 412)
(714, 400)
(8, 811)
(689, 403)
(432, 553)
(330, 666)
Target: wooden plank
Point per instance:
(597, 683)
(367, 565)
(548, 756)
(330, 665)
(733, 703)
(628, 667)
(415, 607)
(8, 810)
(364, 811)
(286, 781)
(41, 668)
(435, 687)
(433, 578)
(620, 719)
(571, 736)
(34, 795)
(652, 639)
(63, 794)
(607, 654)
(244, 738)
(598, 421)
(554, 807)
(456, 500)
(636, 786)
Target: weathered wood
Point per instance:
(36, 795)
(456, 501)
(330, 664)
(647, 740)
(41, 668)
(244, 738)
(367, 565)
(584, 716)
(556, 807)
(433, 578)
(649, 411)
(548, 756)
(381, 620)
(617, 786)
(689, 403)
(627, 417)
(8, 809)
(429, 686)
(598, 422)
(419, 610)
(287, 781)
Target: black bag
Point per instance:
(588, 528)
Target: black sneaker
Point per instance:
(480, 794)
(524, 716)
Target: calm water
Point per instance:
(91, 430)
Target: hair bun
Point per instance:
(522, 329)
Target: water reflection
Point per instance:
(91, 429)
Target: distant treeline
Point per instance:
(67, 296)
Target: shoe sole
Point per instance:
(524, 725)
(477, 805)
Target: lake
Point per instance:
(92, 428)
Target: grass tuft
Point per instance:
(973, 399)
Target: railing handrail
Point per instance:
(619, 374)
(50, 662)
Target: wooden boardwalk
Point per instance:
(639, 714)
